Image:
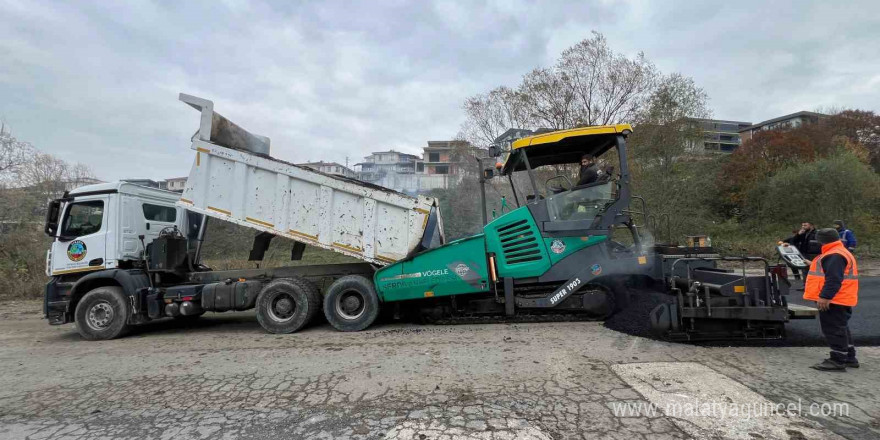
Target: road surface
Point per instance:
(224, 377)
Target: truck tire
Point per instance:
(351, 303)
(102, 314)
(286, 305)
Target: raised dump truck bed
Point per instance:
(233, 178)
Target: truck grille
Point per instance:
(518, 243)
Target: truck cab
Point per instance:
(101, 228)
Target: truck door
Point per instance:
(80, 244)
(157, 216)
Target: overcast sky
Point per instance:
(98, 83)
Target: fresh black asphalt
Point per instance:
(864, 325)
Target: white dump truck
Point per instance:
(124, 254)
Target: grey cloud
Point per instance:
(98, 83)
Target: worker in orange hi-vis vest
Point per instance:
(833, 283)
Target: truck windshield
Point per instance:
(581, 203)
(83, 218)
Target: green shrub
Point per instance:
(837, 187)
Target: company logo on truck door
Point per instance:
(76, 250)
(462, 269)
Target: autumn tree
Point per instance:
(771, 151)
(861, 129)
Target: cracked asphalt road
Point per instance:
(223, 377)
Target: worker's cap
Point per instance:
(827, 235)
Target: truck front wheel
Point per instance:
(286, 305)
(351, 303)
(102, 314)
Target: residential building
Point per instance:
(437, 168)
(331, 168)
(788, 121)
(720, 135)
(176, 184)
(437, 157)
(391, 169)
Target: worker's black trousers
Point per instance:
(835, 327)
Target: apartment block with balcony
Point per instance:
(720, 135)
(788, 121)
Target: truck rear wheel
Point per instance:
(102, 314)
(286, 305)
(351, 303)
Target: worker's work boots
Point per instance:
(832, 365)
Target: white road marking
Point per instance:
(707, 404)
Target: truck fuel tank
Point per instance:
(237, 295)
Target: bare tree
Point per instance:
(492, 113)
(549, 99)
(590, 84)
(48, 177)
(13, 155)
(45, 175)
(608, 87)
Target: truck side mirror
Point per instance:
(52, 212)
(494, 151)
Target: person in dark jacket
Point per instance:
(589, 172)
(805, 242)
(833, 283)
(846, 236)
